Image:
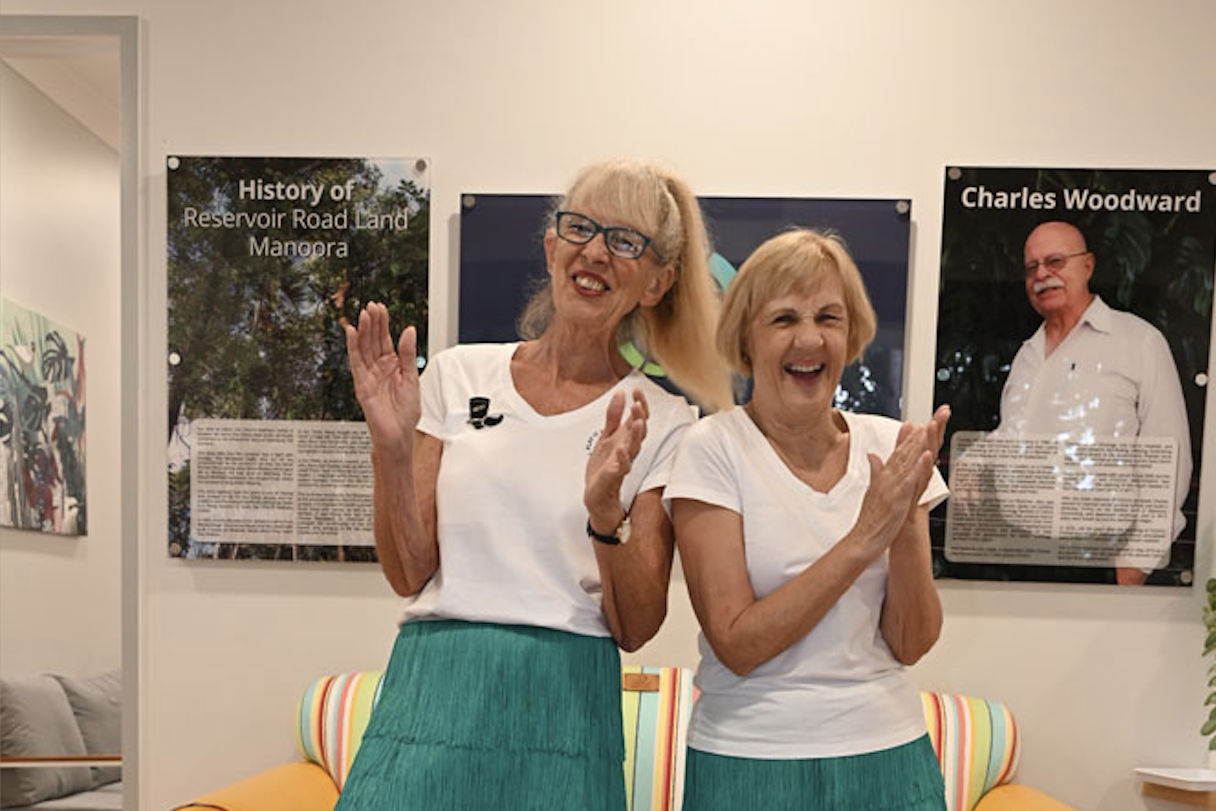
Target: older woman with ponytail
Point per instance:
(519, 514)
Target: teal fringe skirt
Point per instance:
(479, 716)
(903, 778)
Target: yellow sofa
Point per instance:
(976, 740)
(978, 744)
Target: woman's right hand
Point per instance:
(895, 486)
(386, 379)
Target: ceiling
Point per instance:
(81, 74)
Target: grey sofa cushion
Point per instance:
(36, 719)
(97, 704)
(106, 798)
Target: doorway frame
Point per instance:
(128, 30)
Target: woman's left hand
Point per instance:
(936, 429)
(935, 432)
(612, 458)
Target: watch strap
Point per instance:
(612, 540)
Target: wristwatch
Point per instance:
(619, 535)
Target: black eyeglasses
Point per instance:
(623, 242)
(1053, 263)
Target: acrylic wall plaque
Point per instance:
(268, 259)
(502, 262)
(1072, 345)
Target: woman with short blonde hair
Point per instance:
(794, 262)
(804, 538)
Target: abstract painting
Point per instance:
(42, 424)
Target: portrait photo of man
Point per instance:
(1090, 370)
(1073, 327)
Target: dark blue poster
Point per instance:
(502, 261)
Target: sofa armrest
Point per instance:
(1013, 797)
(291, 787)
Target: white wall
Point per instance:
(775, 97)
(59, 595)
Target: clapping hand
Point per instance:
(612, 457)
(930, 437)
(897, 484)
(935, 433)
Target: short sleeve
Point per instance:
(677, 417)
(935, 491)
(432, 393)
(704, 469)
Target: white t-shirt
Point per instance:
(513, 546)
(838, 690)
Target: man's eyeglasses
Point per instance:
(1055, 262)
(623, 242)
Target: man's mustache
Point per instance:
(1050, 283)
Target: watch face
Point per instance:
(622, 531)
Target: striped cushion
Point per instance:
(656, 729)
(332, 715)
(976, 741)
